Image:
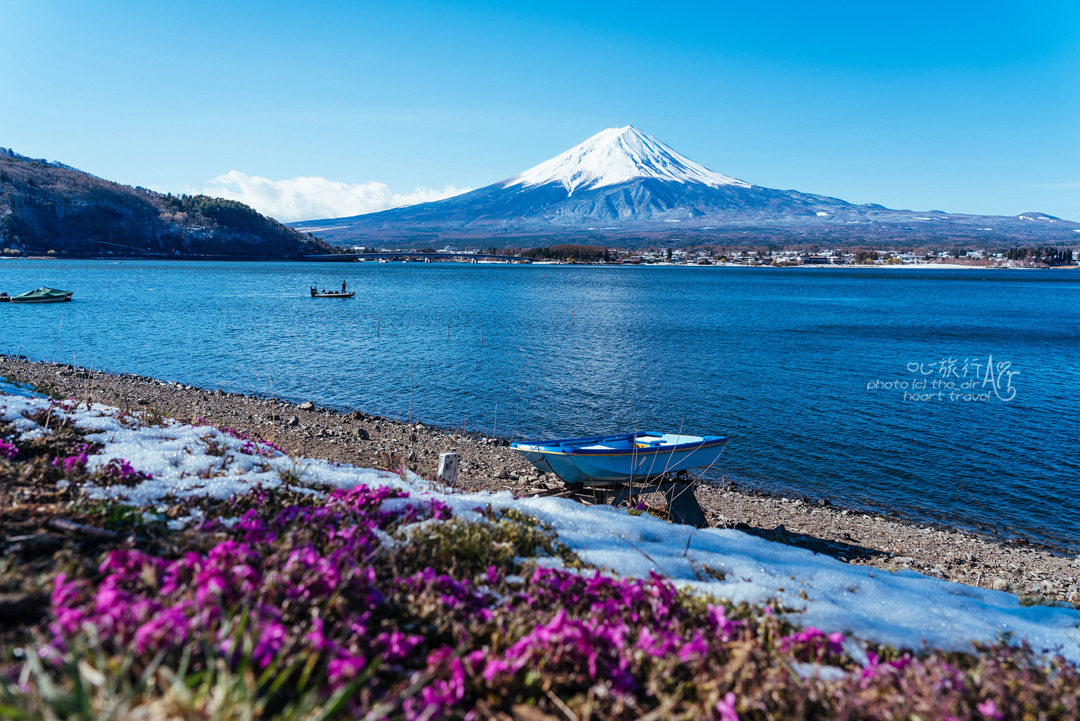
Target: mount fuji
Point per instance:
(623, 185)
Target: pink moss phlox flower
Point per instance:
(455, 595)
(657, 645)
(345, 667)
(442, 692)
(593, 646)
(874, 668)
(251, 443)
(397, 646)
(989, 710)
(270, 638)
(120, 470)
(313, 577)
(317, 635)
(726, 707)
(494, 667)
(169, 627)
(255, 529)
(65, 595)
(440, 511)
(71, 463)
(8, 450)
(126, 566)
(724, 627)
(695, 648)
(493, 575)
(812, 643)
(226, 574)
(65, 592)
(118, 614)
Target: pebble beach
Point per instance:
(299, 428)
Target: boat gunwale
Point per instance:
(555, 448)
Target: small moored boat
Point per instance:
(622, 458)
(40, 295)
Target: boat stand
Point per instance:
(678, 490)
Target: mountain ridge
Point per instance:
(623, 182)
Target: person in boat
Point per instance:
(314, 291)
(343, 287)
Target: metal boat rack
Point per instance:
(678, 490)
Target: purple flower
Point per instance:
(989, 710)
(813, 643)
(727, 628)
(345, 667)
(71, 463)
(272, 637)
(726, 707)
(168, 627)
(8, 450)
(396, 645)
(118, 470)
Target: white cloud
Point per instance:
(313, 198)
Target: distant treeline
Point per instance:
(1050, 256)
(567, 252)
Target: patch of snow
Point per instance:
(816, 670)
(821, 214)
(619, 155)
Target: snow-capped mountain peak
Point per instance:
(619, 155)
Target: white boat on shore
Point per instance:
(622, 458)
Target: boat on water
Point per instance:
(315, 293)
(39, 295)
(622, 458)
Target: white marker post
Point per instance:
(448, 468)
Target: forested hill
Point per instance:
(48, 206)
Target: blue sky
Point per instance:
(958, 106)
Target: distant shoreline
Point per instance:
(244, 259)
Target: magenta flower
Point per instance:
(168, 627)
(989, 710)
(8, 450)
(71, 463)
(345, 667)
(726, 707)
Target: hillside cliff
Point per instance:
(48, 206)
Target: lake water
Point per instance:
(792, 365)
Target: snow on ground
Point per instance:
(903, 609)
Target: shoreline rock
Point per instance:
(1035, 572)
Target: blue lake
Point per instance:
(803, 369)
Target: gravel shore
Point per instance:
(301, 429)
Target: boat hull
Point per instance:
(42, 295)
(43, 300)
(622, 459)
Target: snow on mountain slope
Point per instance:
(618, 155)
